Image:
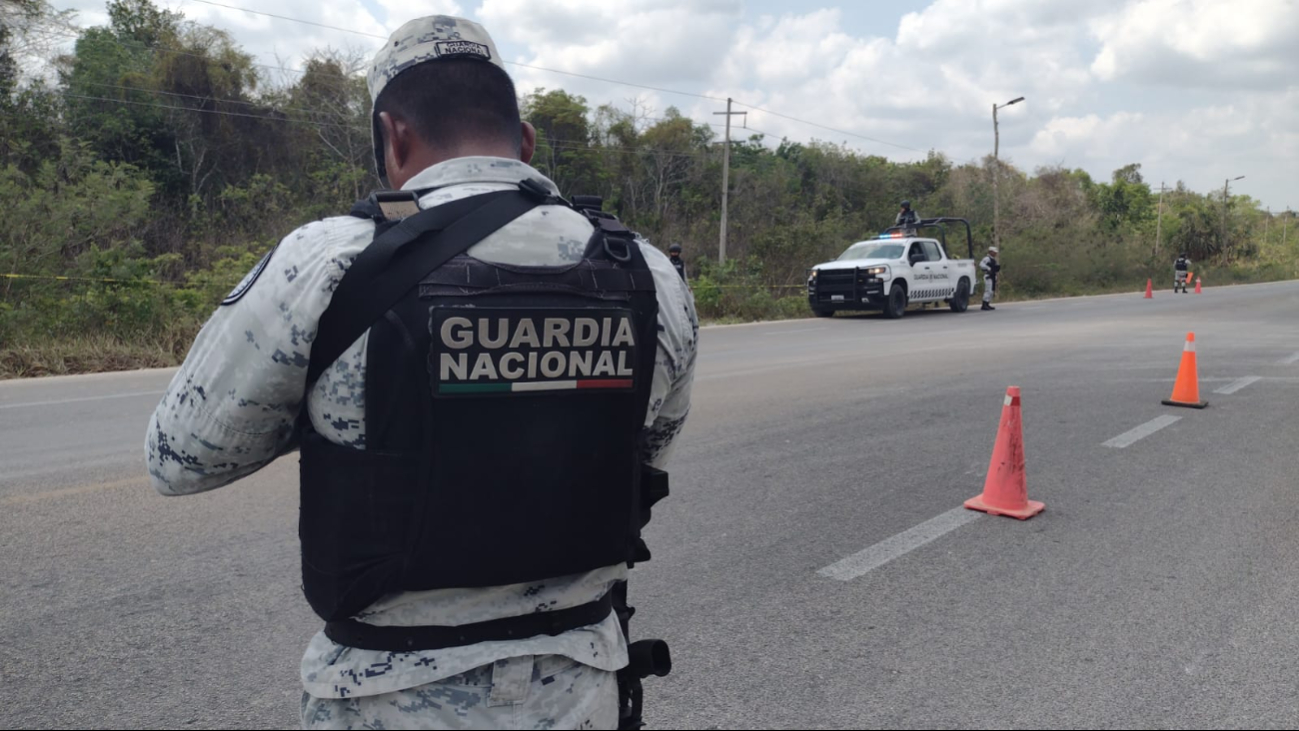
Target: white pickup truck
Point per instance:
(894, 270)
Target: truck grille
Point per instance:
(838, 279)
(841, 282)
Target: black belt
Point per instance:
(351, 633)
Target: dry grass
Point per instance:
(92, 354)
(103, 353)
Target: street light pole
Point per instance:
(996, 165)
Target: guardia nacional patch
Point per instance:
(489, 350)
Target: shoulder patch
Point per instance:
(246, 283)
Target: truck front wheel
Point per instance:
(897, 304)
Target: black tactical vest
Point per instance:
(504, 408)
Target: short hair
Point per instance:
(455, 100)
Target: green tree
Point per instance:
(564, 153)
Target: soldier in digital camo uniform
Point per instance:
(448, 130)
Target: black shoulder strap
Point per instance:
(372, 285)
(366, 209)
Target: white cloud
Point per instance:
(652, 41)
(1110, 137)
(400, 11)
(277, 42)
(1201, 146)
(1186, 86)
(273, 42)
(930, 86)
(1211, 43)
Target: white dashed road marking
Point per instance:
(1238, 384)
(869, 559)
(1129, 438)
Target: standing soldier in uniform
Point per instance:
(1180, 269)
(481, 414)
(906, 217)
(674, 252)
(990, 267)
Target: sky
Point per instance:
(1193, 90)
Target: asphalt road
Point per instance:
(1159, 589)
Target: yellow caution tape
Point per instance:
(78, 279)
(752, 286)
(154, 281)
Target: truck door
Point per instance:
(944, 276)
(922, 273)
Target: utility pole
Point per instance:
(1285, 219)
(726, 178)
(996, 166)
(1225, 184)
(1159, 221)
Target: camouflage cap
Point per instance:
(429, 39)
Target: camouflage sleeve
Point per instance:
(230, 409)
(675, 365)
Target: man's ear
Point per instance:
(529, 144)
(396, 145)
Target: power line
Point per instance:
(711, 124)
(822, 126)
(557, 144)
(226, 100)
(299, 109)
(548, 70)
(575, 145)
(217, 99)
(88, 97)
(153, 49)
(512, 63)
(339, 81)
(295, 20)
(580, 75)
(612, 81)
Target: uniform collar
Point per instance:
(476, 170)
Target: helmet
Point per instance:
(1183, 254)
(906, 204)
(674, 249)
(993, 250)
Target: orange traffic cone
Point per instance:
(1197, 285)
(1150, 289)
(1005, 492)
(1186, 392)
